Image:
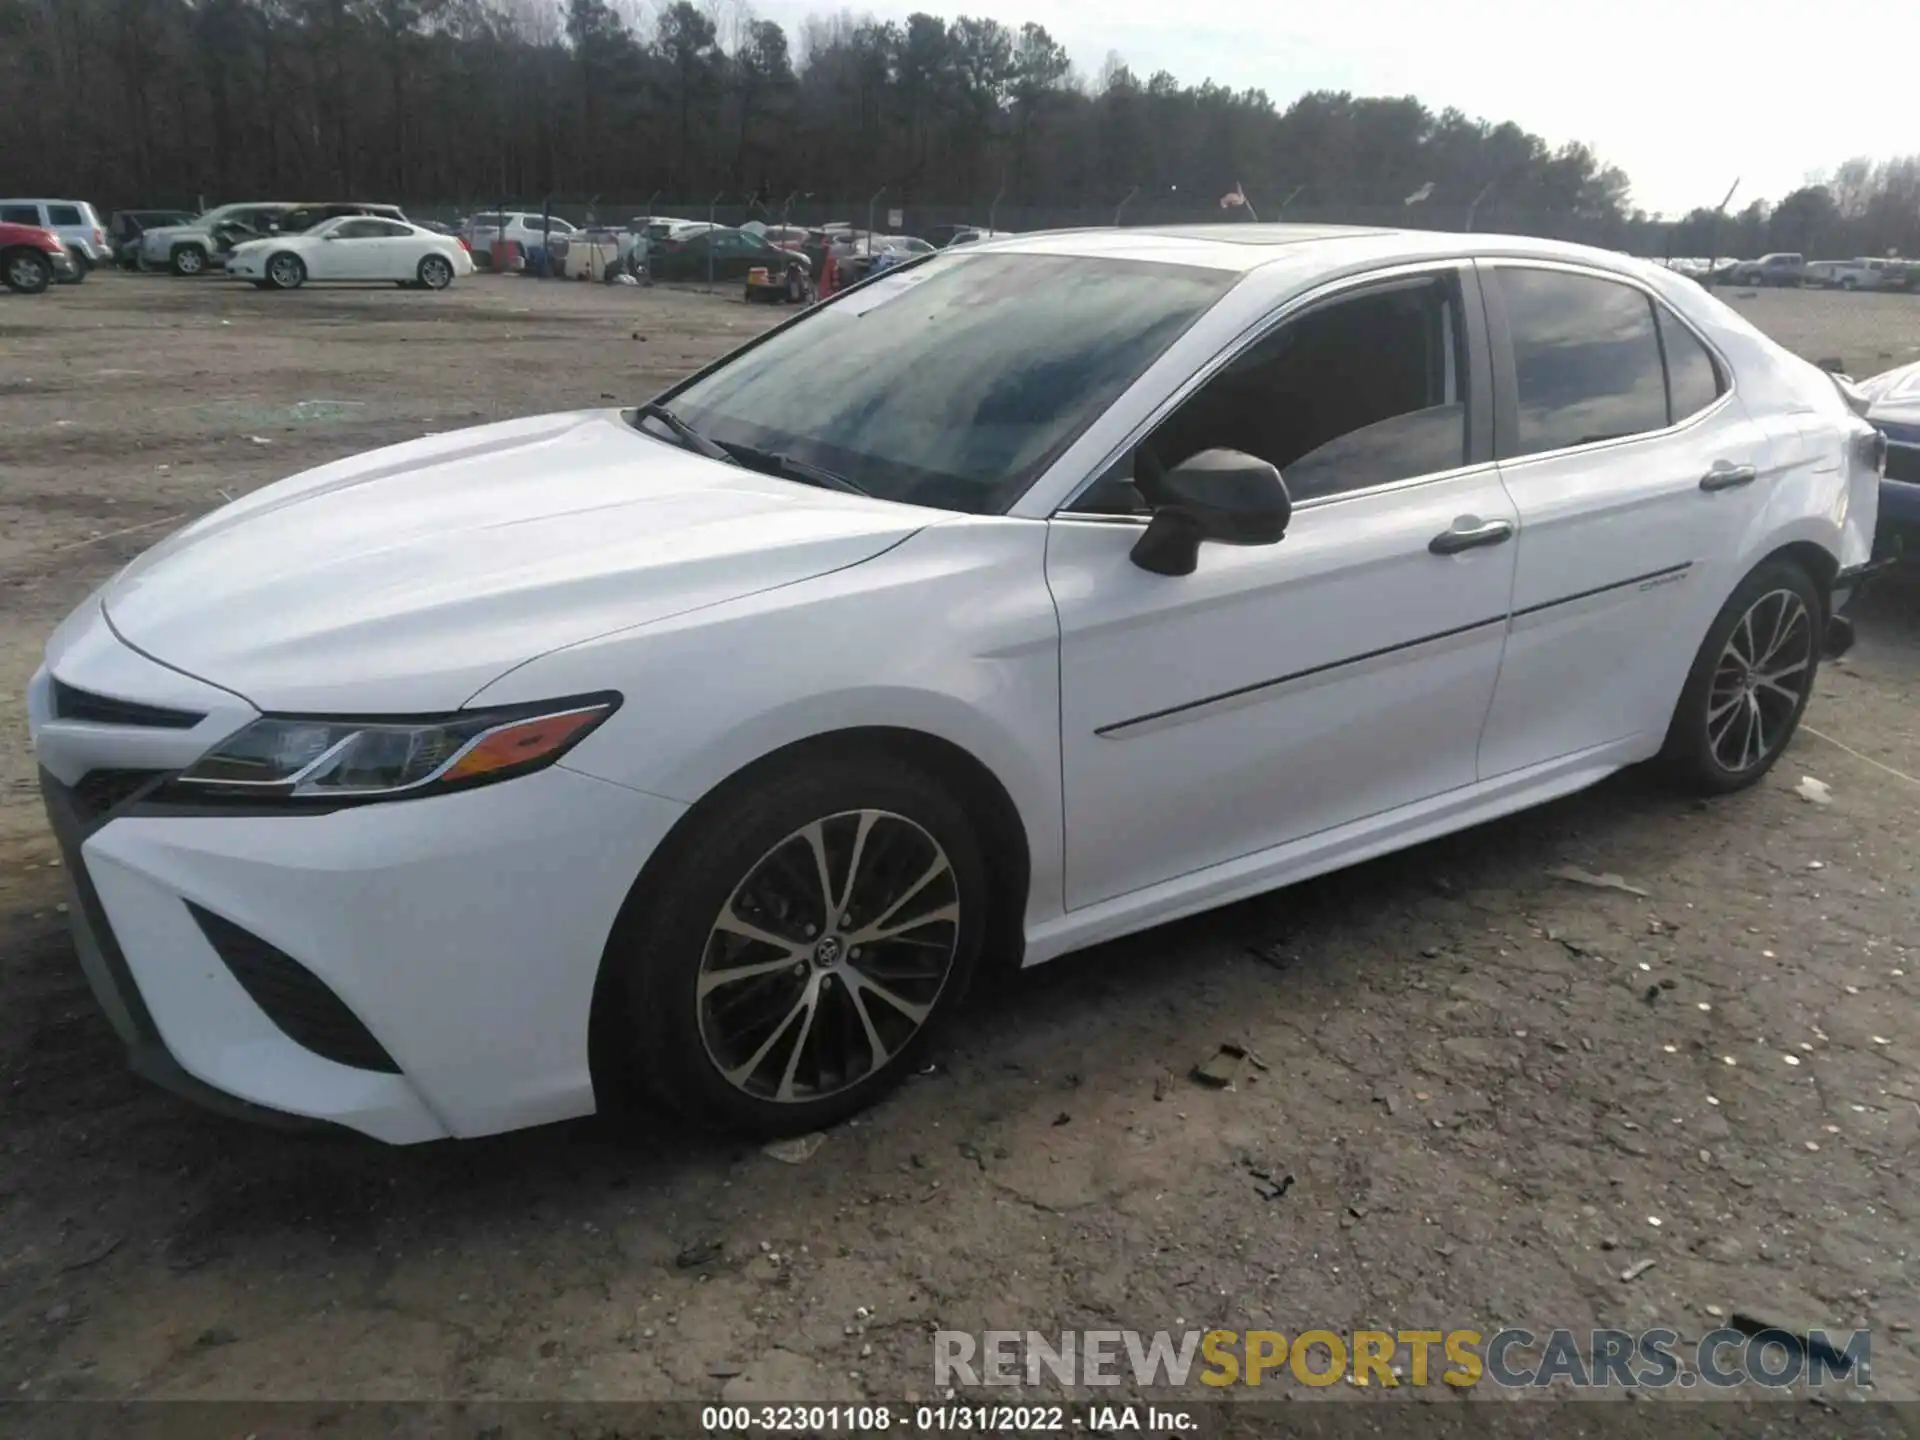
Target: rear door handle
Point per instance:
(1468, 533)
(1724, 476)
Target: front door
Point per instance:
(1635, 472)
(354, 252)
(1282, 690)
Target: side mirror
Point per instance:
(1226, 496)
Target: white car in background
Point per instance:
(697, 754)
(528, 231)
(353, 247)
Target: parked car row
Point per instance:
(1863, 273)
(206, 242)
(288, 243)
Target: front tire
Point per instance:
(1749, 684)
(794, 955)
(435, 272)
(27, 272)
(189, 261)
(82, 267)
(286, 271)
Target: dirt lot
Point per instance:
(1495, 1091)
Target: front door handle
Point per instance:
(1724, 476)
(1468, 533)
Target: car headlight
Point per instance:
(316, 758)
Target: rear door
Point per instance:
(1635, 471)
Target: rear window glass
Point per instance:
(64, 215)
(1586, 359)
(1693, 380)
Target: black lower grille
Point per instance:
(1903, 463)
(293, 997)
(99, 791)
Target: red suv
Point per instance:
(32, 259)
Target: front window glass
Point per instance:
(955, 384)
(1362, 391)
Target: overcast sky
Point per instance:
(1684, 95)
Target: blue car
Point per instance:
(1895, 412)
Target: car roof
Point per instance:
(1245, 247)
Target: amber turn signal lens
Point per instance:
(523, 742)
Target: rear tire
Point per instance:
(435, 272)
(27, 271)
(790, 1042)
(1749, 684)
(82, 267)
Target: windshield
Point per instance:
(955, 383)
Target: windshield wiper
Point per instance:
(773, 462)
(689, 437)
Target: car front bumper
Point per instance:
(436, 959)
(62, 263)
(247, 266)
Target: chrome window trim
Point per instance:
(1594, 272)
(1244, 341)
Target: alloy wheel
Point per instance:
(285, 271)
(1761, 681)
(23, 273)
(189, 262)
(435, 274)
(828, 958)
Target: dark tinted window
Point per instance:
(1586, 358)
(64, 215)
(1693, 380)
(954, 384)
(20, 214)
(1362, 392)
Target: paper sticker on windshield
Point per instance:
(883, 289)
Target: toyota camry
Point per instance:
(695, 756)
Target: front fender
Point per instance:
(951, 633)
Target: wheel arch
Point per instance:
(1005, 847)
(1818, 561)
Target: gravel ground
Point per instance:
(1496, 1091)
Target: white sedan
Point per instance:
(353, 247)
(697, 755)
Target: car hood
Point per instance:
(1895, 397)
(406, 579)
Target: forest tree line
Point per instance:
(449, 105)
